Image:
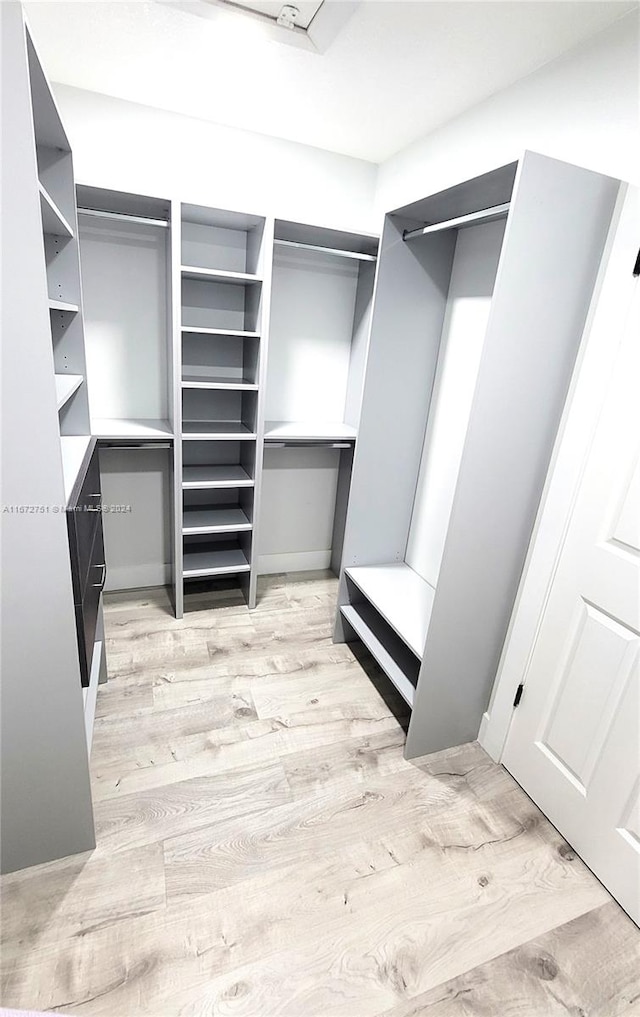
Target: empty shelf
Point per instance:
(66, 385)
(400, 666)
(63, 305)
(112, 427)
(53, 221)
(215, 476)
(232, 332)
(214, 563)
(219, 275)
(199, 429)
(229, 384)
(225, 519)
(74, 448)
(401, 596)
(304, 430)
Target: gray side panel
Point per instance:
(46, 799)
(555, 236)
(410, 299)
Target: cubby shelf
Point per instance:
(200, 430)
(194, 477)
(230, 332)
(224, 562)
(223, 519)
(228, 384)
(111, 427)
(53, 222)
(399, 666)
(218, 275)
(401, 597)
(63, 305)
(66, 385)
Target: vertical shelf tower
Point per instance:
(220, 269)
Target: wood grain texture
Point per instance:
(265, 849)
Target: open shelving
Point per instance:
(308, 430)
(394, 657)
(220, 272)
(207, 556)
(63, 306)
(400, 596)
(130, 427)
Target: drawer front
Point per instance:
(87, 518)
(87, 612)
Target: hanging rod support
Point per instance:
(123, 217)
(326, 250)
(484, 215)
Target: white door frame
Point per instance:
(603, 332)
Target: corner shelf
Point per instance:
(132, 427)
(201, 477)
(53, 222)
(400, 596)
(219, 275)
(225, 519)
(66, 386)
(224, 562)
(63, 305)
(228, 384)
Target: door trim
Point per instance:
(610, 306)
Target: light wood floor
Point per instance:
(264, 849)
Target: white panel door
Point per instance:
(574, 741)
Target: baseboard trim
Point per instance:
(296, 561)
(134, 577)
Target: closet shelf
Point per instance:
(227, 519)
(400, 596)
(230, 332)
(53, 222)
(303, 430)
(63, 305)
(74, 448)
(392, 664)
(194, 477)
(217, 430)
(214, 563)
(219, 275)
(227, 384)
(132, 427)
(66, 385)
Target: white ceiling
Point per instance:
(395, 71)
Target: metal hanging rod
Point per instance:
(495, 212)
(293, 443)
(326, 250)
(146, 445)
(123, 217)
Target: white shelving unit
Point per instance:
(220, 267)
(458, 423)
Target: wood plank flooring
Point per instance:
(264, 850)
